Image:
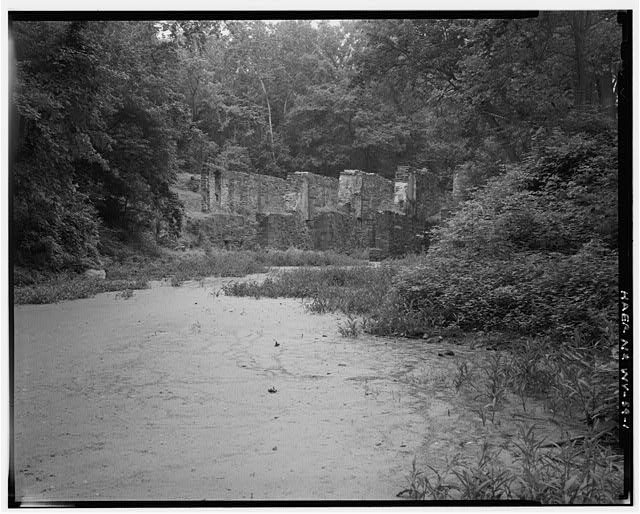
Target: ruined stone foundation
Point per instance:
(357, 211)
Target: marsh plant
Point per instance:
(356, 290)
(432, 484)
(489, 382)
(125, 294)
(349, 327)
(70, 286)
(573, 471)
(485, 478)
(462, 375)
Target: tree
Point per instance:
(98, 120)
(499, 81)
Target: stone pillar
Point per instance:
(205, 190)
(304, 207)
(405, 191)
(350, 191)
(217, 188)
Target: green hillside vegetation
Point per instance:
(515, 119)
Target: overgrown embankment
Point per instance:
(128, 270)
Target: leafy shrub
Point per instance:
(531, 253)
(298, 257)
(141, 263)
(53, 230)
(575, 472)
(530, 294)
(355, 290)
(349, 328)
(186, 266)
(69, 286)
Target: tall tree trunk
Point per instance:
(264, 89)
(607, 94)
(502, 133)
(580, 26)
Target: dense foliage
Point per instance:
(98, 123)
(532, 252)
(108, 112)
(514, 118)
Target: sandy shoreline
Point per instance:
(165, 396)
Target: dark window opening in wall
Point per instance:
(217, 187)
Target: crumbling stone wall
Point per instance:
(396, 234)
(350, 191)
(338, 231)
(296, 198)
(405, 191)
(250, 193)
(323, 193)
(417, 193)
(428, 195)
(388, 232)
(283, 231)
(358, 210)
(363, 194)
(377, 195)
(403, 174)
(205, 190)
(309, 194)
(224, 230)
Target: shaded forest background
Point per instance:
(515, 119)
(108, 112)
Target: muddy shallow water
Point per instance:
(164, 395)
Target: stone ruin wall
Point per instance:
(305, 210)
(376, 195)
(426, 188)
(349, 191)
(363, 194)
(283, 231)
(250, 193)
(242, 193)
(404, 194)
(308, 194)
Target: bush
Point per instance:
(298, 257)
(355, 290)
(186, 266)
(530, 294)
(56, 229)
(531, 253)
(138, 263)
(574, 473)
(69, 286)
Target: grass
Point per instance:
(130, 269)
(527, 468)
(70, 286)
(349, 327)
(296, 257)
(356, 290)
(125, 294)
(499, 386)
(572, 378)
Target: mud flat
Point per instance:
(165, 395)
